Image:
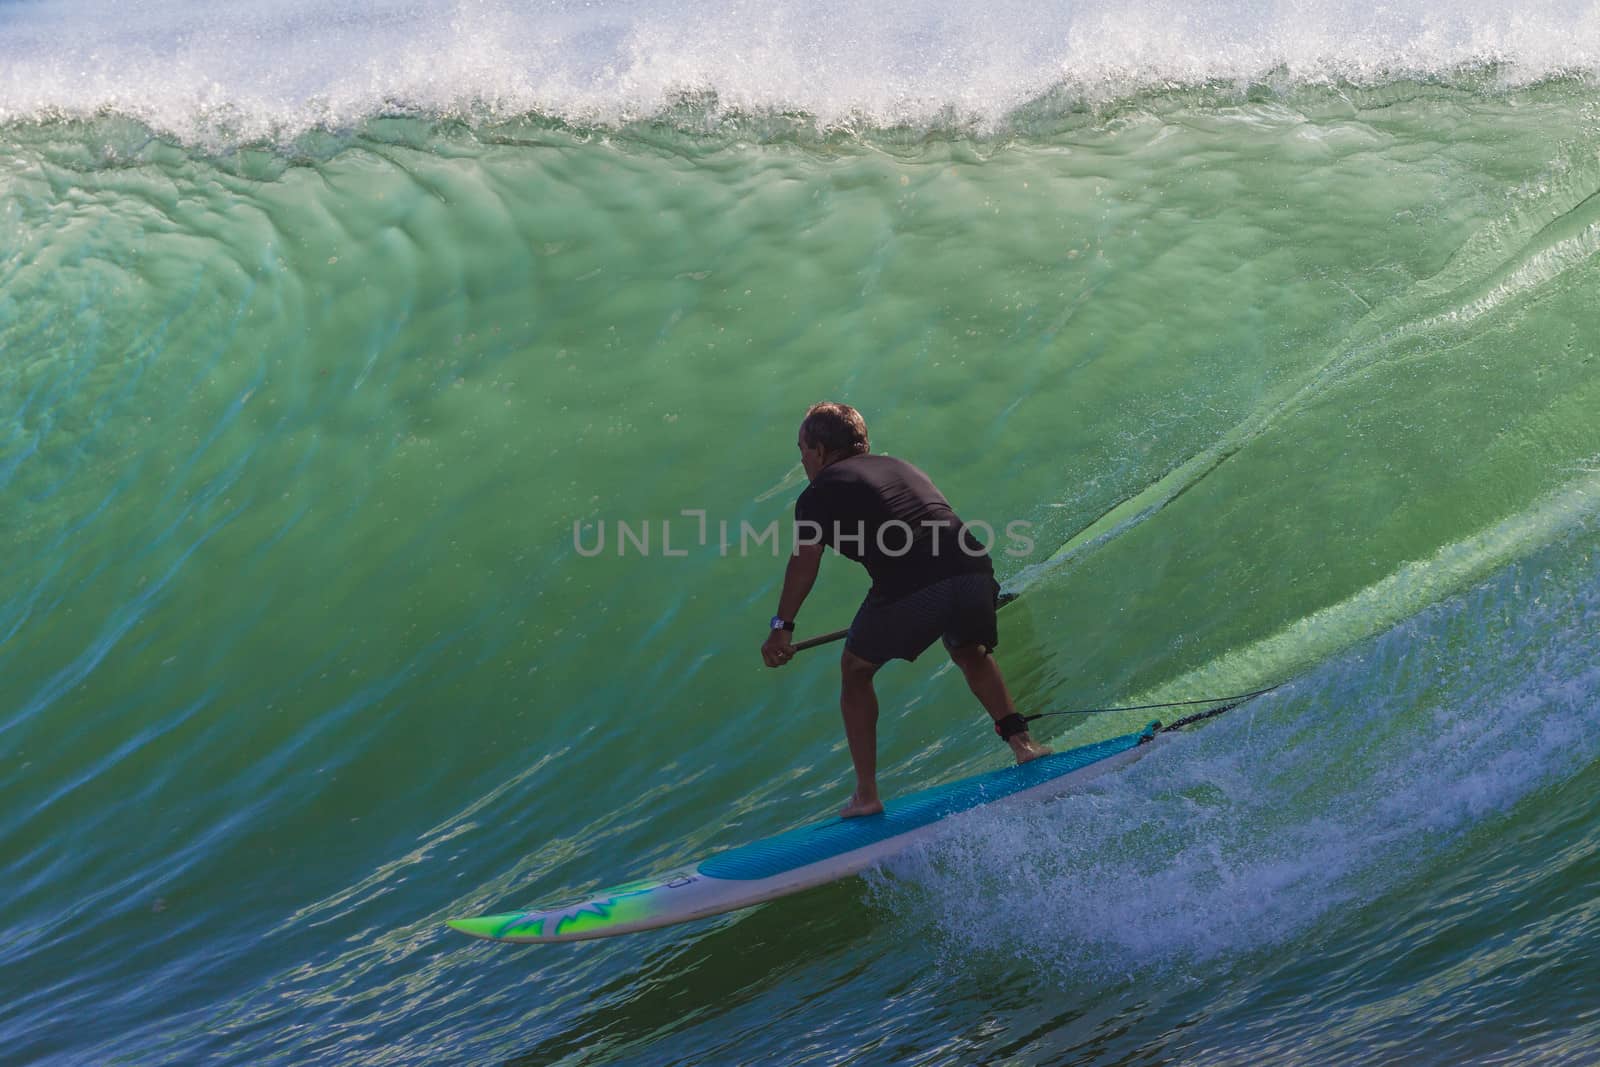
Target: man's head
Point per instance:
(830, 432)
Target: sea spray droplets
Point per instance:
(1119, 881)
(1255, 830)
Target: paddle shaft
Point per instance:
(824, 639)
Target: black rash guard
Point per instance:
(888, 516)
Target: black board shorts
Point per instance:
(960, 609)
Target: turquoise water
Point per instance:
(321, 328)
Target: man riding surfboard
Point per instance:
(931, 578)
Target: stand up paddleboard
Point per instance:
(810, 856)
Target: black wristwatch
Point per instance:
(781, 623)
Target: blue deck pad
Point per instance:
(822, 840)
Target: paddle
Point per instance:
(1006, 598)
(839, 635)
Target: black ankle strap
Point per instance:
(1011, 726)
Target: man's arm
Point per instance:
(798, 578)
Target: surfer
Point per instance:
(930, 578)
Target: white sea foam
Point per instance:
(1253, 831)
(185, 66)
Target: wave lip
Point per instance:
(203, 72)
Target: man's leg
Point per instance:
(989, 686)
(859, 704)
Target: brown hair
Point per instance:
(838, 428)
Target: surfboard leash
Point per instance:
(1228, 704)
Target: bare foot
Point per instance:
(1026, 749)
(859, 807)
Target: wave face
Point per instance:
(331, 340)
